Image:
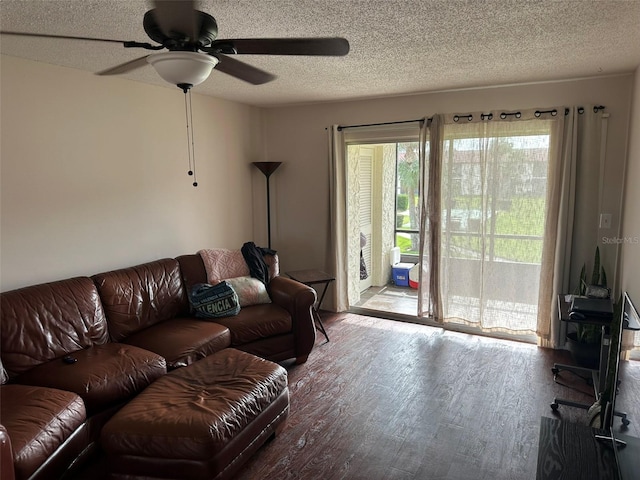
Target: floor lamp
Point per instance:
(268, 168)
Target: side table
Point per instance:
(310, 278)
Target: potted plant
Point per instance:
(584, 342)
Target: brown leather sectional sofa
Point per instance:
(75, 351)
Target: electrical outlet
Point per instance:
(605, 220)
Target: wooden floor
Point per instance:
(393, 400)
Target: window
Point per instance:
(407, 198)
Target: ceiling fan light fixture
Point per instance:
(183, 67)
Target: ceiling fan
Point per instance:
(189, 35)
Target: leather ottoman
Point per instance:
(198, 422)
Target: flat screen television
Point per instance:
(630, 320)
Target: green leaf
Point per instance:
(595, 275)
(582, 282)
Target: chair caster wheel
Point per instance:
(625, 422)
(555, 371)
(554, 406)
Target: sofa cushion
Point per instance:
(47, 321)
(137, 297)
(257, 322)
(190, 340)
(38, 420)
(103, 375)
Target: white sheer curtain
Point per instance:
(494, 207)
(512, 239)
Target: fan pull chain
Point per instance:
(190, 142)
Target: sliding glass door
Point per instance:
(492, 211)
(493, 216)
(383, 210)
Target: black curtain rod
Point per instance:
(538, 113)
(581, 109)
(342, 127)
(503, 115)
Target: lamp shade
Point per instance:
(267, 167)
(183, 67)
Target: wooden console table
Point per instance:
(569, 450)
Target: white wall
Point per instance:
(93, 169)
(630, 258)
(93, 173)
(297, 136)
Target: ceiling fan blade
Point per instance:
(332, 46)
(125, 67)
(177, 17)
(66, 37)
(243, 71)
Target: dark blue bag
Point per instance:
(214, 301)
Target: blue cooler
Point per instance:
(400, 272)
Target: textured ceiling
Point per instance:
(397, 46)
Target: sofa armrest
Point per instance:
(7, 471)
(298, 299)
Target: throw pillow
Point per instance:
(251, 291)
